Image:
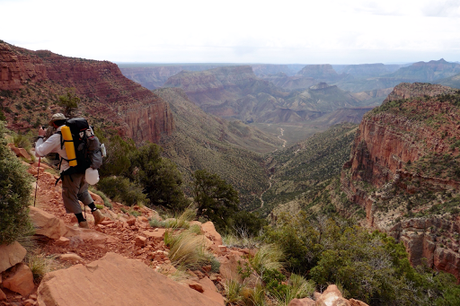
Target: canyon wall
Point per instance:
(105, 93)
(404, 171)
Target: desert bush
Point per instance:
(369, 266)
(15, 190)
(159, 177)
(123, 190)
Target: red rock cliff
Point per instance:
(105, 92)
(404, 161)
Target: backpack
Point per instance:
(87, 146)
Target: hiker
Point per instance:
(74, 186)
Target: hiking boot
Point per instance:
(98, 217)
(83, 224)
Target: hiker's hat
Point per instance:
(56, 117)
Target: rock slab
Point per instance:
(22, 281)
(115, 278)
(10, 255)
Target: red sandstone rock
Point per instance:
(139, 113)
(10, 255)
(22, 281)
(354, 302)
(210, 232)
(196, 286)
(332, 297)
(210, 290)
(72, 257)
(385, 143)
(140, 241)
(2, 295)
(302, 302)
(62, 241)
(229, 266)
(100, 283)
(20, 152)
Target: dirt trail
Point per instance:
(271, 176)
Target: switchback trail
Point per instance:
(271, 176)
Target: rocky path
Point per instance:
(126, 232)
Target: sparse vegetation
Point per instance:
(15, 190)
(187, 250)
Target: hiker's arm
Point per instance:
(50, 145)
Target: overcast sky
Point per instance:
(246, 31)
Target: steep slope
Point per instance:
(30, 83)
(203, 141)
(237, 93)
(404, 172)
(453, 81)
(300, 170)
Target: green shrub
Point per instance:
(121, 189)
(15, 190)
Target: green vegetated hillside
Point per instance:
(453, 81)
(301, 170)
(231, 149)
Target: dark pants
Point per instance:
(74, 188)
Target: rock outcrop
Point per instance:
(330, 297)
(10, 255)
(105, 93)
(135, 283)
(405, 153)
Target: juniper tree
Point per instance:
(215, 199)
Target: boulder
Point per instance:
(20, 152)
(115, 278)
(229, 266)
(210, 290)
(332, 297)
(302, 302)
(210, 232)
(46, 224)
(71, 257)
(2, 295)
(10, 255)
(22, 281)
(52, 227)
(354, 302)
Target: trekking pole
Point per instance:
(36, 184)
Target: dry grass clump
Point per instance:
(187, 251)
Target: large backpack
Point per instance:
(87, 146)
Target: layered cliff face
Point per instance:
(34, 79)
(404, 171)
